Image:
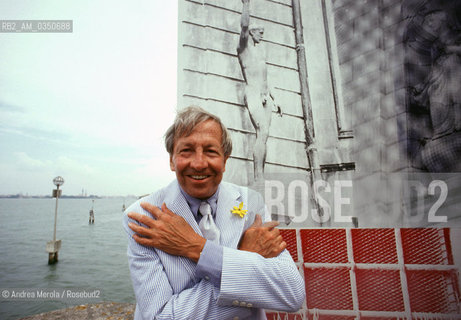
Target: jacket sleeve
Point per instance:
(248, 279)
(155, 296)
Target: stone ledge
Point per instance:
(97, 311)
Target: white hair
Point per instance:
(185, 122)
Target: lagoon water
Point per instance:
(92, 257)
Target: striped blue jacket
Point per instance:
(166, 286)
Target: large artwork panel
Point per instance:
(367, 137)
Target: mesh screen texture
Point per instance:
(374, 246)
(289, 236)
(424, 246)
(324, 245)
(328, 288)
(379, 290)
(333, 282)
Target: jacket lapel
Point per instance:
(176, 202)
(229, 224)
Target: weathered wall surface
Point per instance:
(371, 63)
(356, 59)
(380, 64)
(210, 76)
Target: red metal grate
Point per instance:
(289, 236)
(330, 317)
(433, 291)
(379, 290)
(454, 317)
(430, 288)
(284, 316)
(379, 318)
(425, 246)
(324, 245)
(374, 246)
(328, 288)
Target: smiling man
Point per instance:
(198, 248)
(199, 159)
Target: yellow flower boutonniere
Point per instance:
(239, 211)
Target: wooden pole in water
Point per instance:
(56, 213)
(52, 247)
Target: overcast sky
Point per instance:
(91, 105)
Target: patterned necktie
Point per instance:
(209, 229)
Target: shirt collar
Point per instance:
(194, 203)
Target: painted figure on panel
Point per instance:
(433, 73)
(258, 97)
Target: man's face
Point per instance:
(257, 34)
(198, 160)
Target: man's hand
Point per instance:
(264, 239)
(168, 232)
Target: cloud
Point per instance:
(10, 108)
(62, 166)
(90, 106)
(26, 162)
(33, 133)
(66, 164)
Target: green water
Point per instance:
(92, 257)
